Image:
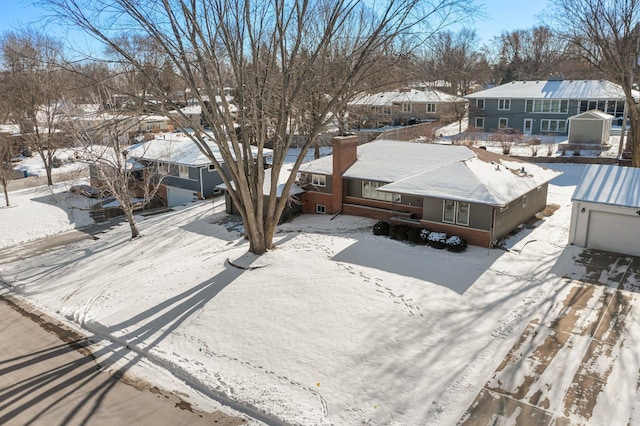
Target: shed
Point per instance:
(590, 127)
(606, 209)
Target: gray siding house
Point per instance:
(189, 175)
(542, 107)
(460, 190)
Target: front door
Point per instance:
(528, 126)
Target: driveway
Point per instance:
(576, 362)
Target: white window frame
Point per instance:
(553, 126)
(319, 180)
(211, 167)
(164, 168)
(452, 209)
(321, 209)
(460, 210)
(183, 171)
(370, 191)
(504, 104)
(480, 126)
(431, 107)
(506, 123)
(480, 101)
(407, 107)
(547, 106)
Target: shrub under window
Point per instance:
(381, 228)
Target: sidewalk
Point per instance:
(48, 377)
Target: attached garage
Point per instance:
(606, 210)
(178, 196)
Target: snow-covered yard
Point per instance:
(335, 326)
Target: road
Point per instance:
(48, 376)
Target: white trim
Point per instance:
(506, 123)
(321, 209)
(506, 104)
(319, 180)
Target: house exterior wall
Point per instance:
(517, 213)
(479, 214)
(516, 116)
(292, 209)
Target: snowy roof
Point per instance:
(178, 148)
(554, 89)
(285, 172)
(609, 184)
(398, 97)
(444, 171)
(594, 113)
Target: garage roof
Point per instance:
(609, 184)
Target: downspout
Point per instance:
(493, 227)
(202, 184)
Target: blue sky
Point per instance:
(508, 15)
(501, 15)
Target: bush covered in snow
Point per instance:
(437, 240)
(399, 232)
(381, 228)
(456, 244)
(415, 236)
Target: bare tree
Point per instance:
(456, 59)
(7, 152)
(531, 54)
(33, 68)
(607, 35)
(107, 148)
(272, 48)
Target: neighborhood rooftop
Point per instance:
(404, 96)
(554, 89)
(179, 149)
(609, 185)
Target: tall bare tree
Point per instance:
(271, 48)
(455, 58)
(530, 54)
(607, 34)
(33, 68)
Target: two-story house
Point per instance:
(544, 106)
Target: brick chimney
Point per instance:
(345, 153)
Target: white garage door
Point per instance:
(179, 196)
(614, 232)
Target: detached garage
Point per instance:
(592, 127)
(606, 209)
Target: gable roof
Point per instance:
(555, 89)
(609, 184)
(453, 172)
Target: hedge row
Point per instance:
(438, 240)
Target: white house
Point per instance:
(606, 209)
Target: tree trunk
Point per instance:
(47, 167)
(6, 193)
(132, 223)
(633, 138)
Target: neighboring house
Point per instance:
(294, 206)
(192, 114)
(605, 211)
(155, 124)
(188, 173)
(405, 106)
(542, 107)
(460, 190)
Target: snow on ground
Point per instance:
(335, 326)
(41, 211)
